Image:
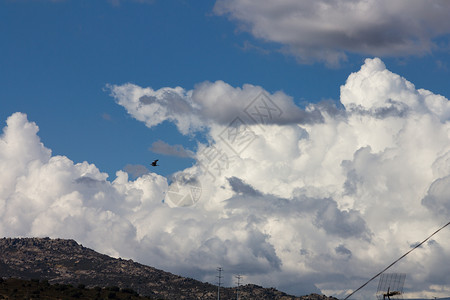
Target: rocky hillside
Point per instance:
(66, 262)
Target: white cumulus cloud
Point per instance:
(207, 104)
(306, 207)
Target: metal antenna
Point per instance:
(391, 286)
(238, 277)
(219, 269)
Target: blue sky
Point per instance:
(323, 196)
(58, 56)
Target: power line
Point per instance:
(417, 246)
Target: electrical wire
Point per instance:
(417, 246)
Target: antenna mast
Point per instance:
(391, 286)
(238, 277)
(219, 269)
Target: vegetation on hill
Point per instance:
(14, 288)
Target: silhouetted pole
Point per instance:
(238, 277)
(219, 269)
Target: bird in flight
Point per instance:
(154, 163)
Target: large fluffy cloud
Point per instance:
(208, 104)
(326, 30)
(303, 206)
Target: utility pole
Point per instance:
(238, 277)
(219, 269)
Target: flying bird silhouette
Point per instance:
(154, 163)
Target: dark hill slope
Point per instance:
(66, 262)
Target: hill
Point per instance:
(61, 261)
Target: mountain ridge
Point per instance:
(64, 261)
